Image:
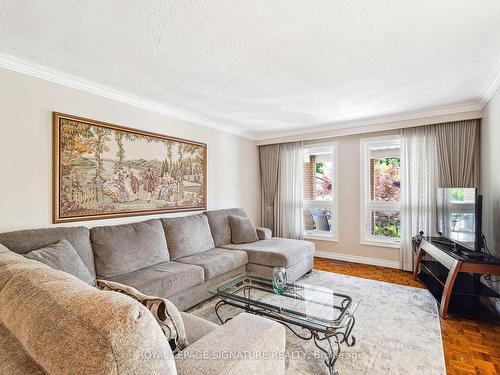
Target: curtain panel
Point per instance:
(458, 153)
(269, 162)
(418, 188)
(288, 207)
(441, 155)
(282, 168)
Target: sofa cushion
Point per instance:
(216, 262)
(63, 257)
(120, 249)
(276, 251)
(196, 327)
(242, 229)
(219, 224)
(256, 346)
(70, 327)
(293, 273)
(187, 235)
(164, 311)
(24, 241)
(164, 279)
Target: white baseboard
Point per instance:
(358, 259)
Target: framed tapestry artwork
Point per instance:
(102, 170)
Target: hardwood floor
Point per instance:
(470, 347)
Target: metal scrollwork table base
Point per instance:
(328, 341)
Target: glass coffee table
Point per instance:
(310, 312)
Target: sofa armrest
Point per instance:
(247, 344)
(264, 233)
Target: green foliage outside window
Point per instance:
(389, 231)
(387, 223)
(320, 167)
(458, 194)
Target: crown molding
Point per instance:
(376, 124)
(38, 71)
(491, 85)
(380, 123)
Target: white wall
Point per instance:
(26, 106)
(490, 172)
(348, 180)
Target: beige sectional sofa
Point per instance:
(176, 258)
(53, 323)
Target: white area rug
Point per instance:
(397, 330)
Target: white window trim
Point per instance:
(332, 204)
(365, 204)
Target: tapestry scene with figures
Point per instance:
(105, 170)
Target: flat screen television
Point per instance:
(459, 216)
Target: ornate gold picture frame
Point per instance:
(102, 170)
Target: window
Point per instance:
(320, 195)
(380, 191)
(455, 214)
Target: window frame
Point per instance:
(331, 204)
(366, 205)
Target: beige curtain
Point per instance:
(440, 155)
(269, 162)
(458, 153)
(418, 188)
(288, 205)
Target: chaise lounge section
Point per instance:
(266, 253)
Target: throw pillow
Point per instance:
(62, 256)
(242, 229)
(164, 311)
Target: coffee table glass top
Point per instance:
(303, 304)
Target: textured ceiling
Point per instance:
(262, 66)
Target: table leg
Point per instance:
(420, 254)
(332, 351)
(448, 288)
(217, 307)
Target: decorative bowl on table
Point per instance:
(279, 279)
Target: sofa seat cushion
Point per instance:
(276, 251)
(120, 249)
(256, 345)
(63, 257)
(187, 235)
(216, 262)
(219, 224)
(164, 279)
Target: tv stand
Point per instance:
(445, 242)
(453, 276)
